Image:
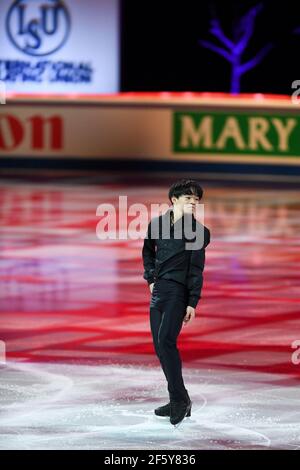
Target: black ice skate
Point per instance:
(179, 410)
(163, 410)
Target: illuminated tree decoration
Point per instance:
(232, 50)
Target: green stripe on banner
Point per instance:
(236, 133)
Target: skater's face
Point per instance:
(186, 203)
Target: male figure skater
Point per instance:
(175, 278)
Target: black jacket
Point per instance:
(170, 259)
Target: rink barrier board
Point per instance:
(124, 128)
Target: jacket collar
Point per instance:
(170, 213)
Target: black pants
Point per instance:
(167, 310)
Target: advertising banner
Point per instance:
(118, 128)
(243, 133)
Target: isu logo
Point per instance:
(38, 28)
(38, 132)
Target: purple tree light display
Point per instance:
(232, 50)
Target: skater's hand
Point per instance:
(151, 287)
(190, 314)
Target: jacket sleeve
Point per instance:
(195, 271)
(149, 254)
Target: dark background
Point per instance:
(160, 51)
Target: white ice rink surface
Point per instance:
(55, 406)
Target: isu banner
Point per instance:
(118, 128)
(59, 46)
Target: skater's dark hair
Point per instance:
(185, 187)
